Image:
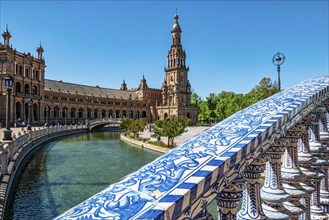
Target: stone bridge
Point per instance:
(99, 123)
(286, 135)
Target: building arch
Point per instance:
(111, 114)
(96, 113)
(188, 115)
(103, 113)
(81, 111)
(88, 113)
(117, 114)
(27, 89)
(56, 112)
(18, 86)
(124, 113)
(73, 112)
(35, 112)
(143, 114)
(45, 111)
(19, 111)
(35, 90)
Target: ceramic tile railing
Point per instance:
(225, 163)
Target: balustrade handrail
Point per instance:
(182, 182)
(24, 137)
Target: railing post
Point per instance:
(251, 204)
(292, 175)
(324, 138)
(272, 192)
(305, 159)
(227, 200)
(320, 197)
(4, 160)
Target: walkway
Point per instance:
(15, 130)
(189, 134)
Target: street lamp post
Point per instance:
(86, 112)
(130, 115)
(47, 115)
(65, 117)
(169, 97)
(278, 59)
(9, 86)
(136, 105)
(149, 102)
(98, 110)
(29, 103)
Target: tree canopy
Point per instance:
(218, 107)
(171, 128)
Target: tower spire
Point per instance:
(6, 37)
(40, 51)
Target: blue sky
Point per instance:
(229, 44)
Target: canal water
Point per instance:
(65, 172)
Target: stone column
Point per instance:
(272, 192)
(251, 204)
(227, 200)
(292, 175)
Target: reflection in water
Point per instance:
(63, 173)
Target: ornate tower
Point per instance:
(6, 37)
(178, 89)
(40, 52)
(123, 86)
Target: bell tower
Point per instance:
(178, 89)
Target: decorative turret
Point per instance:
(143, 84)
(40, 51)
(6, 37)
(123, 86)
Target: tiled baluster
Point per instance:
(251, 204)
(292, 175)
(321, 151)
(324, 138)
(227, 200)
(324, 132)
(272, 192)
(305, 159)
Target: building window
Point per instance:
(27, 72)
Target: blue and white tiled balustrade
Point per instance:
(181, 183)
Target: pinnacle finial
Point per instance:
(176, 11)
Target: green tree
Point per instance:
(170, 128)
(195, 99)
(125, 124)
(223, 105)
(263, 90)
(137, 126)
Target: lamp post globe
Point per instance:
(9, 86)
(278, 59)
